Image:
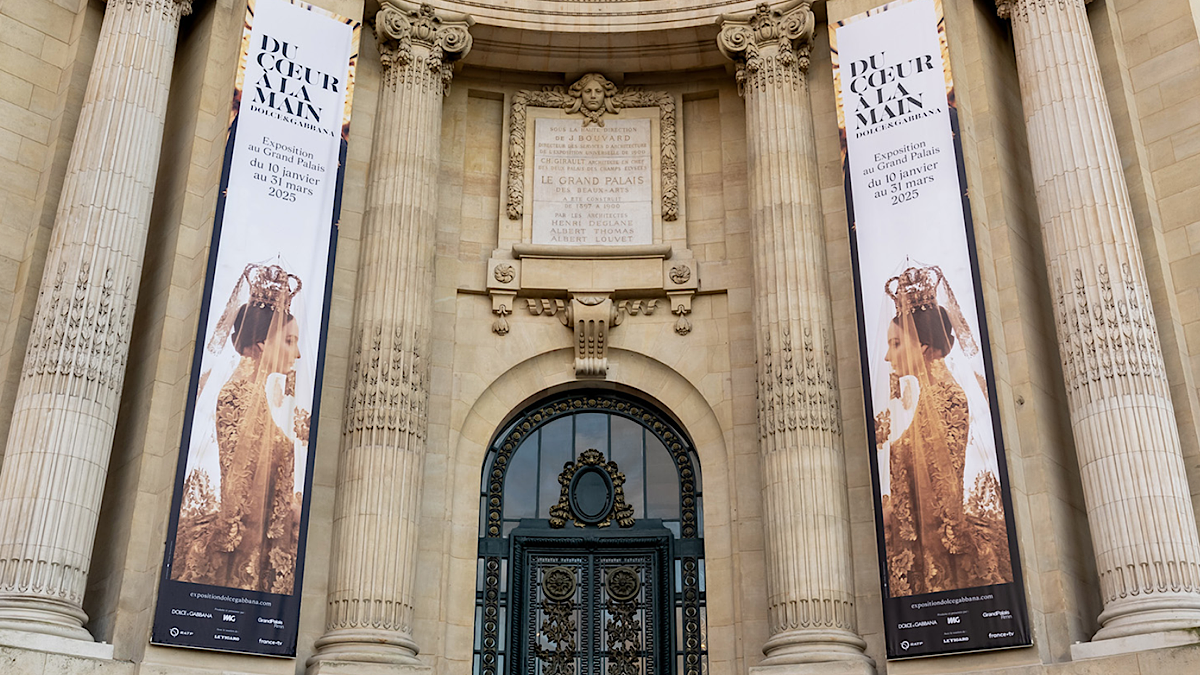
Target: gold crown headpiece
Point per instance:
(271, 287)
(914, 289)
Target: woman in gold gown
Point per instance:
(933, 543)
(249, 540)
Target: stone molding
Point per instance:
(569, 99)
(418, 45)
(770, 47)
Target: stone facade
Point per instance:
(1054, 99)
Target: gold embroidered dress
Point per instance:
(250, 542)
(927, 534)
(940, 534)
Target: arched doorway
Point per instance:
(591, 549)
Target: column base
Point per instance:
(1159, 613)
(361, 648)
(827, 650)
(1133, 643)
(54, 644)
(335, 667)
(43, 616)
(825, 668)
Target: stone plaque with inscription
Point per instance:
(592, 185)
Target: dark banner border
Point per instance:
(178, 616)
(901, 646)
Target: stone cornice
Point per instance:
(418, 44)
(769, 45)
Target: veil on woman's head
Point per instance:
(926, 331)
(239, 517)
(263, 291)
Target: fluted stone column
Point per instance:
(370, 610)
(810, 578)
(66, 408)
(1135, 486)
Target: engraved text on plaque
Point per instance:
(592, 185)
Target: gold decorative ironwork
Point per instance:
(558, 583)
(623, 583)
(624, 629)
(620, 511)
(558, 622)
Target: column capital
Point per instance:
(419, 44)
(1012, 9)
(769, 45)
(185, 6)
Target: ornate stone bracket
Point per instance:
(591, 290)
(571, 100)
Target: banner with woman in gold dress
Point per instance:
(234, 557)
(949, 565)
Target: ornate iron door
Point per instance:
(591, 605)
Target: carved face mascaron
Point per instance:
(592, 95)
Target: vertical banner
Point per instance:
(235, 545)
(951, 576)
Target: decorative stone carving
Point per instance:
(798, 393)
(1019, 9)
(602, 98)
(786, 33)
(810, 583)
(541, 274)
(65, 413)
(418, 45)
(549, 307)
(75, 331)
(1108, 334)
(1134, 478)
(504, 273)
(591, 317)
